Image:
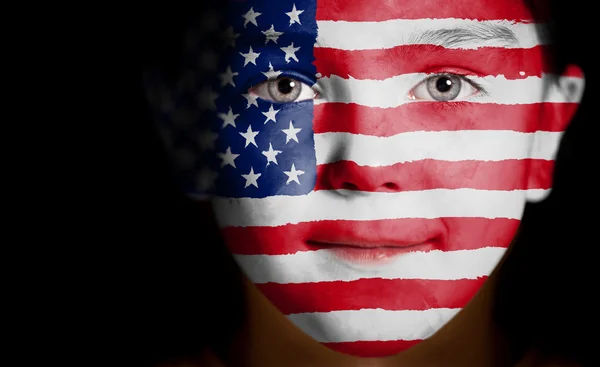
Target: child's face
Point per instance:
(370, 186)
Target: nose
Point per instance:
(348, 175)
(356, 150)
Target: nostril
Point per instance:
(391, 186)
(349, 186)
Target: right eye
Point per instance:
(284, 90)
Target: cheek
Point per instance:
(473, 233)
(444, 145)
(425, 116)
(270, 240)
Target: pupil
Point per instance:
(443, 84)
(285, 86)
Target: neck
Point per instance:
(269, 339)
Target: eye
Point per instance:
(444, 87)
(284, 90)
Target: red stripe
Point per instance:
(436, 116)
(367, 10)
(430, 174)
(467, 233)
(387, 294)
(367, 349)
(385, 63)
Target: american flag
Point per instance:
(280, 172)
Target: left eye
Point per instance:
(444, 88)
(284, 90)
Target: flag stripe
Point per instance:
(416, 294)
(480, 175)
(364, 10)
(373, 324)
(345, 205)
(379, 163)
(435, 116)
(513, 63)
(487, 145)
(398, 32)
(318, 266)
(468, 233)
(369, 349)
(394, 91)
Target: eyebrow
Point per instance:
(455, 37)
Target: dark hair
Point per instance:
(541, 298)
(188, 292)
(193, 289)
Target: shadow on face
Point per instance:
(369, 174)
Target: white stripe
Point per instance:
(485, 145)
(394, 91)
(323, 266)
(387, 34)
(352, 205)
(372, 324)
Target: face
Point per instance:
(371, 159)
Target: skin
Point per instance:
(441, 232)
(469, 339)
(269, 339)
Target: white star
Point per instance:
(228, 158)
(230, 36)
(188, 81)
(183, 118)
(250, 17)
(229, 118)
(290, 133)
(207, 99)
(250, 57)
(227, 77)
(208, 60)
(272, 74)
(294, 15)
(205, 180)
(270, 114)
(249, 135)
(293, 175)
(185, 159)
(290, 52)
(251, 178)
(271, 34)
(251, 100)
(207, 140)
(271, 155)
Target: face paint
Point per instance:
(372, 160)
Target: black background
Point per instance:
(162, 281)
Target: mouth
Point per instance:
(375, 245)
(363, 253)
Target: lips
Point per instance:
(363, 255)
(374, 243)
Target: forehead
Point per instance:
(381, 10)
(366, 24)
(386, 33)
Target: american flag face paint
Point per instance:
(370, 160)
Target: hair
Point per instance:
(190, 294)
(541, 302)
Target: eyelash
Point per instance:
(455, 104)
(299, 76)
(464, 77)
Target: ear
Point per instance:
(559, 106)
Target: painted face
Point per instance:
(372, 159)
